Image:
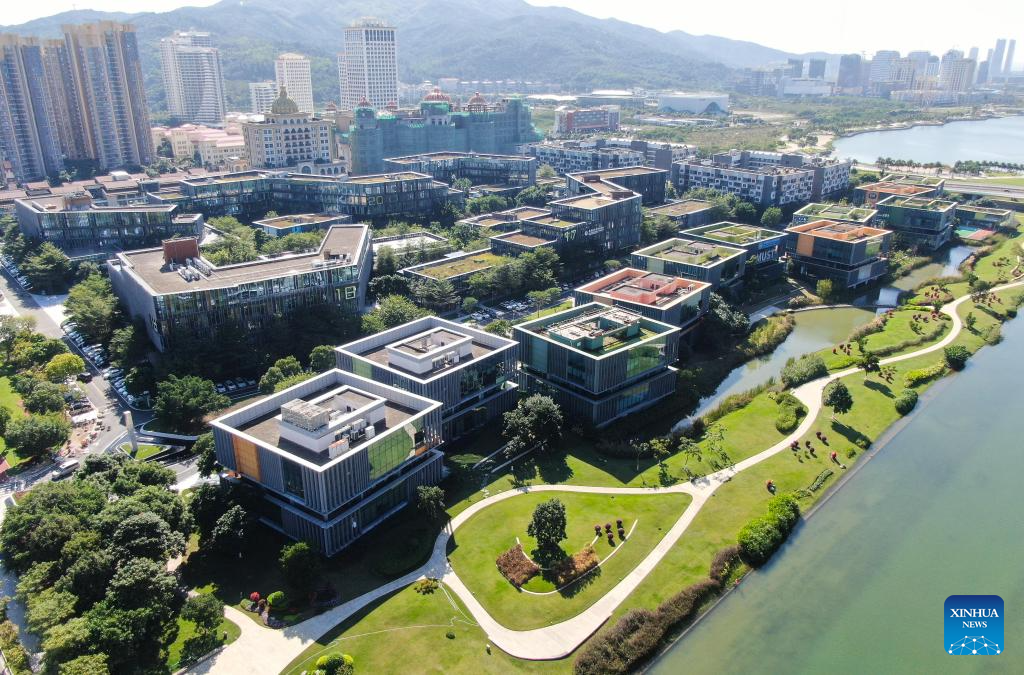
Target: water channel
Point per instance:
(860, 586)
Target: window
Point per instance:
(292, 478)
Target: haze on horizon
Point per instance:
(805, 26)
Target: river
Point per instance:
(999, 140)
(860, 586)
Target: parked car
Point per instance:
(221, 389)
(231, 386)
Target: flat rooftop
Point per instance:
(379, 355)
(524, 239)
(598, 330)
(594, 201)
(837, 212)
(453, 267)
(554, 221)
(920, 203)
(267, 428)
(447, 156)
(680, 208)
(913, 179)
(226, 178)
(645, 288)
(409, 240)
(984, 209)
(340, 241)
(895, 188)
(386, 177)
(829, 229)
(691, 252)
(620, 172)
(736, 233)
(297, 219)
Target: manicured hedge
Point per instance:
(791, 410)
(922, 375)
(762, 536)
(906, 401)
(806, 368)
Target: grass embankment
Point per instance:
(146, 450)
(187, 629)
(487, 534)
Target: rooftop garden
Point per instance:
(836, 211)
(446, 269)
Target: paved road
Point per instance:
(277, 648)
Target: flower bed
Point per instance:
(516, 566)
(573, 567)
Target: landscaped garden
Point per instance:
(488, 534)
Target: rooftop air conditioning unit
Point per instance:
(371, 431)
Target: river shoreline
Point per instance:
(903, 126)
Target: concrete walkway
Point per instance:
(267, 651)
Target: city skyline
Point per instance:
(757, 23)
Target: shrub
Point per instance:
(762, 536)
(622, 646)
(450, 635)
(277, 600)
(335, 663)
(804, 369)
(426, 586)
(571, 568)
(922, 375)
(723, 562)
(684, 605)
(906, 401)
(956, 356)
(516, 566)
(790, 412)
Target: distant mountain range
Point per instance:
(470, 39)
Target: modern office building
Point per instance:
(849, 75)
(29, 137)
(721, 266)
(765, 178)
(571, 156)
(494, 171)
(936, 183)
(882, 65)
(870, 194)
(970, 215)
(262, 96)
(599, 362)
(647, 181)
(921, 222)
(368, 65)
(662, 297)
(956, 73)
(192, 76)
(471, 372)
(280, 226)
(842, 213)
(764, 248)
(437, 125)
(587, 120)
(82, 227)
(180, 295)
(106, 96)
(816, 68)
(457, 268)
(685, 213)
(292, 72)
(848, 254)
(334, 456)
(995, 63)
(288, 136)
(403, 194)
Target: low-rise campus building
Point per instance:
(489, 171)
(334, 456)
(716, 264)
(848, 254)
(685, 213)
(82, 227)
(984, 217)
(841, 213)
(179, 295)
(647, 181)
(870, 194)
(456, 268)
(471, 372)
(921, 222)
(764, 178)
(672, 300)
(599, 363)
(279, 226)
(764, 247)
(587, 120)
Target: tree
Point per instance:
(536, 419)
(502, 327)
(546, 171)
(5, 418)
(92, 305)
(823, 289)
(335, 664)
(229, 532)
(207, 504)
(838, 397)
(289, 366)
(301, 567)
(48, 269)
(45, 397)
(462, 185)
(771, 217)
(183, 401)
(385, 262)
(12, 329)
(393, 310)
(970, 320)
(723, 318)
(388, 284)
(35, 434)
(537, 299)
(63, 366)
(204, 610)
(204, 449)
(435, 293)
(746, 212)
(430, 500)
(270, 380)
(547, 525)
(535, 195)
(322, 358)
(469, 304)
(126, 345)
(87, 664)
(147, 535)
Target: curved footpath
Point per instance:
(264, 650)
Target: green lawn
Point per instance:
(187, 629)
(145, 450)
(479, 542)
(9, 399)
(541, 313)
